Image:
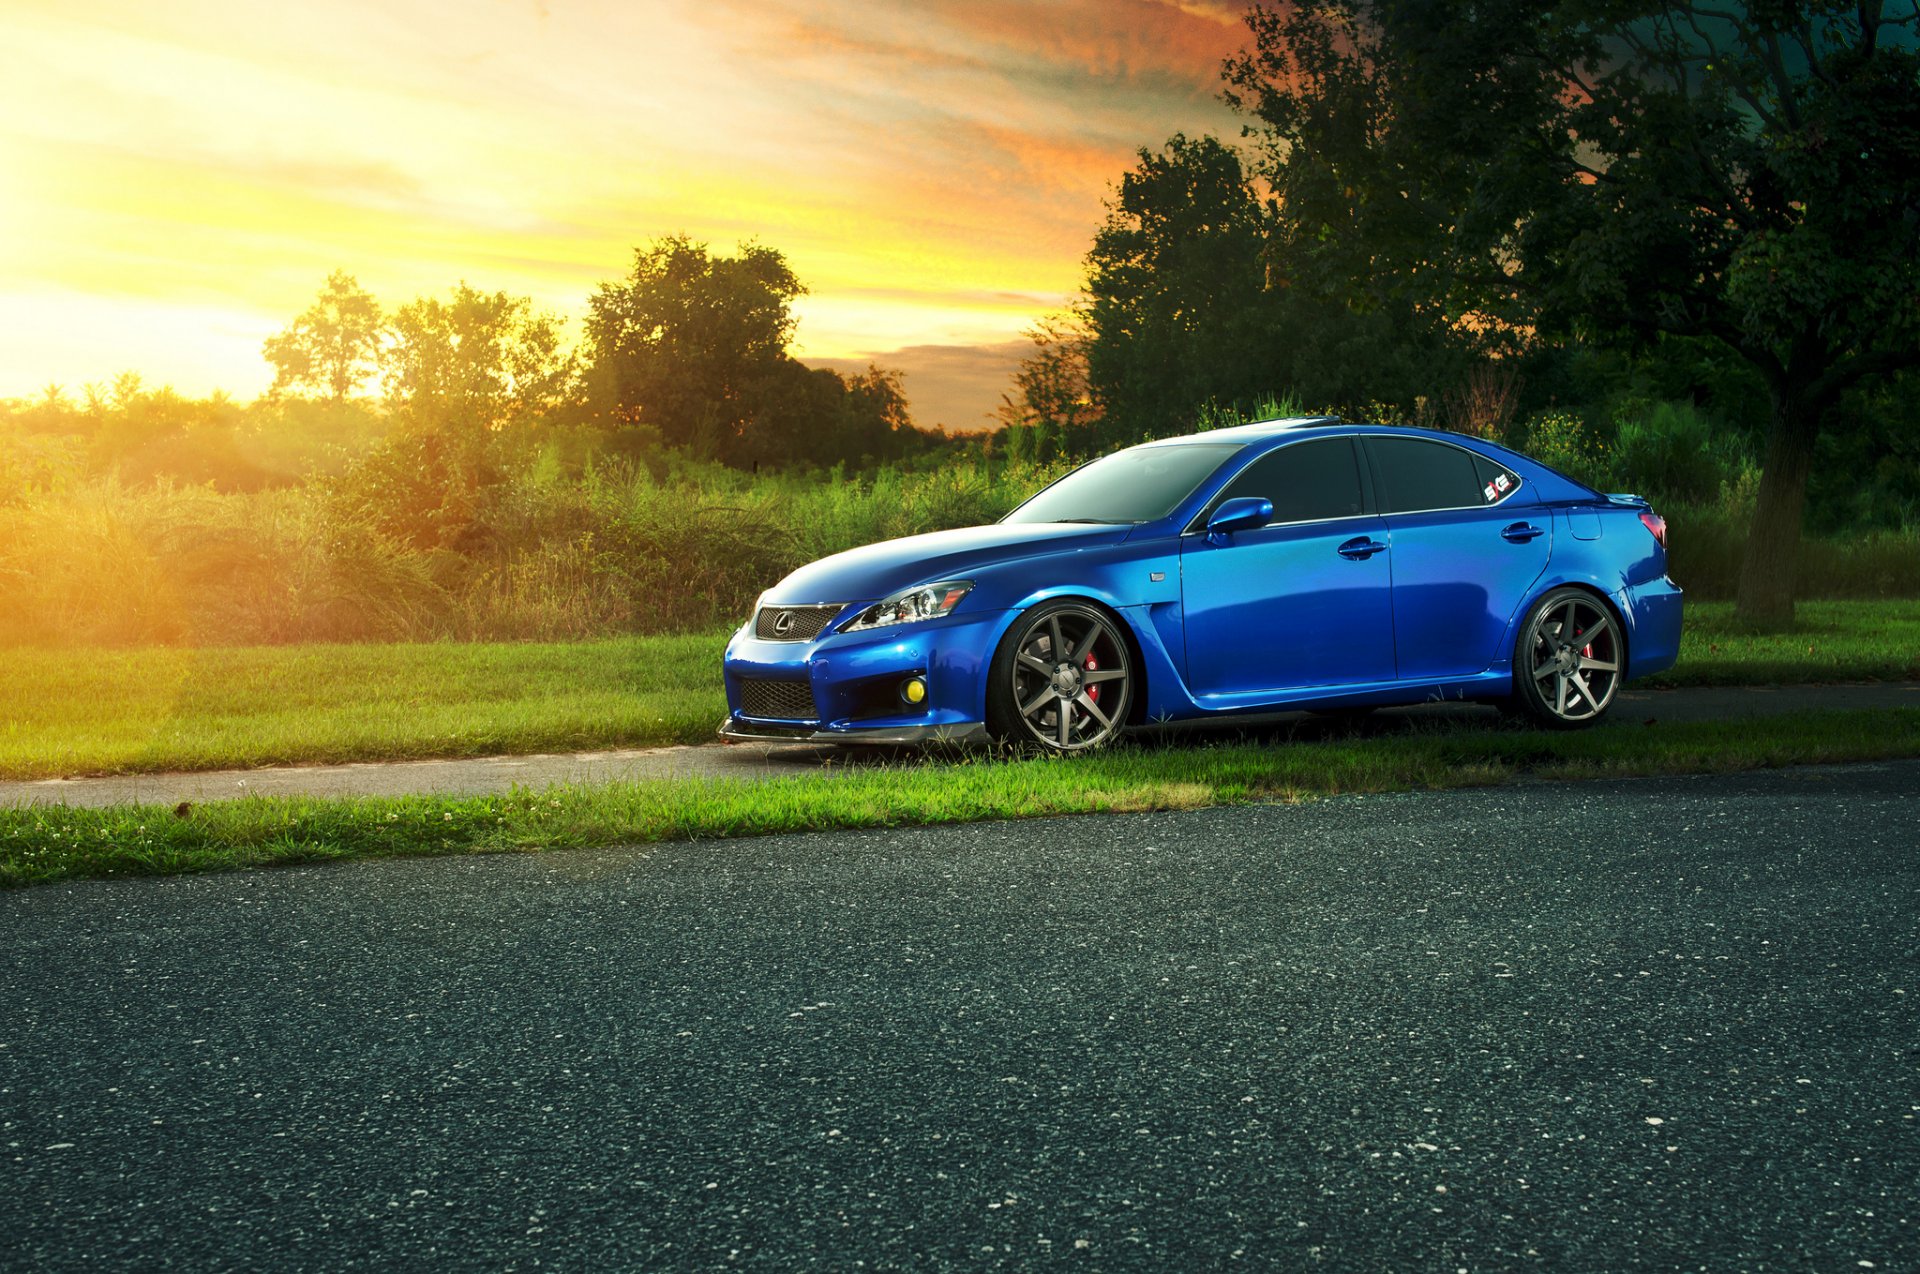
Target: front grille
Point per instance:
(779, 700)
(802, 623)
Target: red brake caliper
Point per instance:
(1093, 692)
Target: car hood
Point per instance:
(875, 570)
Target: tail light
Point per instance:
(1656, 524)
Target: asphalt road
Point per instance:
(1660, 1024)
(475, 775)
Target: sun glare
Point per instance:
(182, 177)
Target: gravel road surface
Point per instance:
(759, 761)
(1652, 1025)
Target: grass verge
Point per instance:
(1829, 641)
(157, 709)
(42, 844)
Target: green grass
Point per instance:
(1829, 641)
(153, 709)
(42, 844)
(157, 708)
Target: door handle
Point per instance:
(1359, 550)
(1521, 532)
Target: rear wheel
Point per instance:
(1568, 659)
(1062, 679)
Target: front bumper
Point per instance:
(851, 682)
(742, 730)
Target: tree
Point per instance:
(1203, 291)
(686, 340)
(333, 346)
(1176, 282)
(1743, 173)
(474, 362)
(1052, 383)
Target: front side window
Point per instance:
(1417, 475)
(1307, 481)
(1140, 484)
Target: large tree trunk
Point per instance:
(1773, 544)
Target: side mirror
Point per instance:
(1243, 513)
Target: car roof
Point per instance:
(1282, 430)
(1249, 432)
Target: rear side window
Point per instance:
(1307, 481)
(1416, 474)
(1497, 482)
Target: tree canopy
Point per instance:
(694, 346)
(1746, 174)
(333, 346)
(685, 340)
(476, 361)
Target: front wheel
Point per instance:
(1061, 679)
(1568, 659)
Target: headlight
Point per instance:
(925, 601)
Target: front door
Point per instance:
(1303, 601)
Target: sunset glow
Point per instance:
(180, 178)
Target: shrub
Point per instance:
(1673, 453)
(1562, 440)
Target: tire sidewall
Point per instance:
(1526, 691)
(1003, 713)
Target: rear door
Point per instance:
(1302, 601)
(1468, 544)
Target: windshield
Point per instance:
(1137, 485)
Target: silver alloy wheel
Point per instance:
(1070, 678)
(1573, 657)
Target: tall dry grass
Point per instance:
(616, 551)
(620, 551)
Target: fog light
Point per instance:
(914, 690)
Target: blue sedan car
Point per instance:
(1292, 564)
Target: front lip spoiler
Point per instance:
(735, 731)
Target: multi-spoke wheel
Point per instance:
(1061, 679)
(1567, 662)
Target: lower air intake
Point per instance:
(777, 700)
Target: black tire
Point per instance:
(1061, 680)
(1568, 659)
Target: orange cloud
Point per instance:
(933, 169)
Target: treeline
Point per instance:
(454, 468)
(688, 354)
(1529, 209)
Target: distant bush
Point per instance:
(561, 540)
(1562, 441)
(1705, 545)
(616, 550)
(1673, 451)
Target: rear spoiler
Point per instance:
(1628, 501)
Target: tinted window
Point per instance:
(1497, 482)
(1417, 475)
(1136, 485)
(1306, 481)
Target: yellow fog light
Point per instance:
(914, 690)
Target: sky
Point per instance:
(177, 179)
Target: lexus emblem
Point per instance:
(783, 623)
